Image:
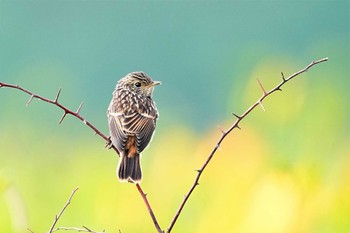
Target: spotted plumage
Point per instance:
(132, 116)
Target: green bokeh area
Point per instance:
(287, 170)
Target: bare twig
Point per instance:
(236, 125)
(66, 111)
(84, 229)
(145, 200)
(57, 217)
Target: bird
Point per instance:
(132, 116)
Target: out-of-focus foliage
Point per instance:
(287, 170)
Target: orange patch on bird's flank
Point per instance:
(131, 146)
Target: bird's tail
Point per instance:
(129, 168)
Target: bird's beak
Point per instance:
(155, 83)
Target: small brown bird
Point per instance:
(132, 116)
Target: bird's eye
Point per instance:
(138, 84)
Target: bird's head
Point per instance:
(138, 82)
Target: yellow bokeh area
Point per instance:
(251, 184)
(285, 171)
(248, 186)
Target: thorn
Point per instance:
(262, 106)
(218, 147)
(238, 127)
(87, 229)
(199, 170)
(57, 95)
(80, 106)
(94, 133)
(109, 144)
(197, 183)
(283, 77)
(30, 100)
(236, 115)
(63, 116)
(261, 86)
(222, 131)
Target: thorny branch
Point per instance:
(199, 171)
(66, 111)
(98, 132)
(236, 125)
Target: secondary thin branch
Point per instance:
(57, 217)
(236, 125)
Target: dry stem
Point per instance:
(144, 197)
(57, 217)
(236, 125)
(66, 111)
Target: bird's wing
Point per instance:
(135, 120)
(118, 135)
(122, 125)
(140, 124)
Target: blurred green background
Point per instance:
(287, 170)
